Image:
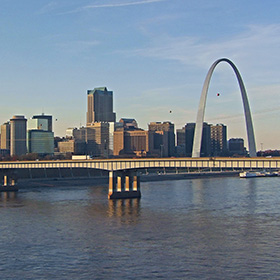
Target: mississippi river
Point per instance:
(212, 228)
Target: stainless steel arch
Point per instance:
(201, 111)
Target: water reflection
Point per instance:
(251, 196)
(124, 208)
(198, 193)
(8, 199)
(4, 196)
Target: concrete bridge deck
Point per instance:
(143, 163)
(124, 174)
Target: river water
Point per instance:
(212, 228)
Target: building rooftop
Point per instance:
(100, 89)
(18, 118)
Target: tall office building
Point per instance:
(132, 142)
(100, 106)
(39, 139)
(37, 124)
(181, 136)
(164, 138)
(18, 135)
(5, 136)
(205, 143)
(189, 135)
(236, 146)
(181, 142)
(45, 117)
(113, 126)
(97, 139)
(218, 140)
(40, 142)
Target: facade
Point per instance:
(5, 136)
(181, 136)
(65, 147)
(18, 135)
(164, 138)
(97, 139)
(236, 146)
(79, 134)
(72, 147)
(40, 139)
(218, 140)
(37, 124)
(112, 128)
(119, 143)
(48, 118)
(205, 143)
(40, 142)
(129, 123)
(100, 106)
(132, 142)
(189, 135)
(181, 142)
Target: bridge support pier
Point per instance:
(124, 184)
(8, 181)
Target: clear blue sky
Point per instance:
(153, 54)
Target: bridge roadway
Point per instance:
(144, 163)
(124, 180)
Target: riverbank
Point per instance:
(102, 180)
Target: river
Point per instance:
(211, 228)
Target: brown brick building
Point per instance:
(132, 142)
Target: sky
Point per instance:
(153, 54)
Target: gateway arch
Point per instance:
(201, 111)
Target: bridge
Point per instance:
(124, 174)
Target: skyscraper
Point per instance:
(100, 106)
(45, 117)
(132, 142)
(181, 142)
(189, 130)
(236, 146)
(164, 138)
(97, 139)
(18, 135)
(5, 136)
(39, 139)
(205, 143)
(218, 140)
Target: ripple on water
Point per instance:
(221, 228)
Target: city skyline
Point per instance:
(153, 54)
